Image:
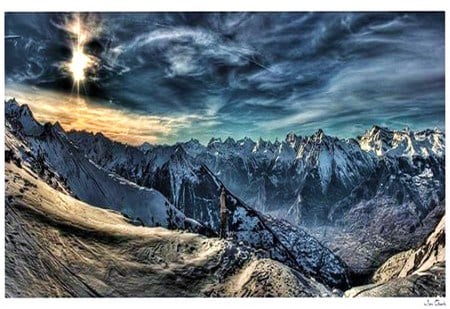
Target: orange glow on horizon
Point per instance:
(77, 113)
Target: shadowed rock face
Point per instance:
(426, 284)
(421, 259)
(416, 272)
(364, 248)
(59, 246)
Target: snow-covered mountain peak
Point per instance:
(23, 115)
(377, 140)
(57, 126)
(229, 141)
(193, 147)
(14, 109)
(376, 129)
(246, 143)
(214, 141)
(403, 143)
(146, 147)
(193, 142)
(319, 134)
(294, 140)
(291, 137)
(179, 154)
(262, 145)
(319, 137)
(181, 164)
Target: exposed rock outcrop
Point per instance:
(419, 272)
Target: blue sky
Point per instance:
(246, 74)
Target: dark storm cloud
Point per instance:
(257, 74)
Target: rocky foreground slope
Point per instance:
(416, 272)
(59, 246)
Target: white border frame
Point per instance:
(199, 5)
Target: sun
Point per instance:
(81, 63)
(78, 65)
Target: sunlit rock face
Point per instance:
(416, 272)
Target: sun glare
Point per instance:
(81, 63)
(78, 65)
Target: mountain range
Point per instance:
(330, 209)
(386, 184)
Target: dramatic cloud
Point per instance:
(254, 74)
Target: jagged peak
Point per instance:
(261, 143)
(245, 140)
(58, 127)
(193, 141)
(180, 157)
(291, 135)
(378, 129)
(320, 136)
(23, 114)
(431, 131)
(100, 135)
(293, 139)
(145, 144)
(25, 110)
(229, 141)
(385, 134)
(214, 140)
(12, 101)
(179, 152)
(13, 107)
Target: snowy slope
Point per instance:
(85, 179)
(57, 246)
